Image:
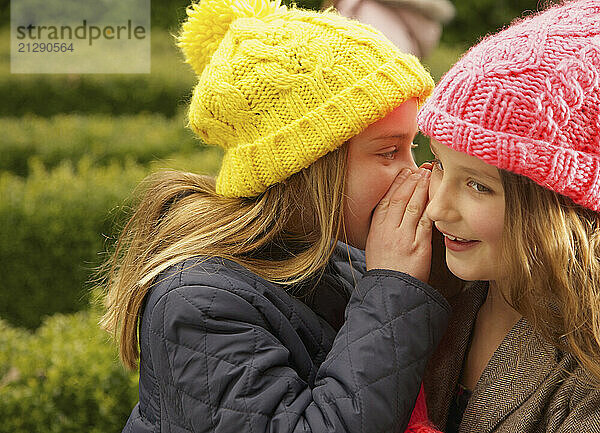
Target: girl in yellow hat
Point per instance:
(247, 299)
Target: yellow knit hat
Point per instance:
(280, 87)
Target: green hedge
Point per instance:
(103, 139)
(64, 378)
(51, 228)
(165, 90)
(54, 223)
(441, 59)
(121, 94)
(476, 18)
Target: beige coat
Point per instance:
(414, 26)
(528, 385)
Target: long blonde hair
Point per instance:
(286, 235)
(552, 248)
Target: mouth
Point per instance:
(454, 243)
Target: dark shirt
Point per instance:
(457, 408)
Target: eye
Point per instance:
(478, 187)
(389, 155)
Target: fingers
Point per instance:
(424, 230)
(414, 220)
(380, 214)
(400, 235)
(400, 201)
(404, 203)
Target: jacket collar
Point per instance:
(443, 370)
(517, 368)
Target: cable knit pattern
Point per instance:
(527, 100)
(280, 87)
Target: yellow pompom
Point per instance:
(209, 20)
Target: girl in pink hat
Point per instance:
(515, 190)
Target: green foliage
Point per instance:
(121, 94)
(165, 90)
(64, 378)
(476, 18)
(4, 12)
(51, 228)
(54, 223)
(168, 14)
(205, 161)
(50, 94)
(101, 138)
(441, 59)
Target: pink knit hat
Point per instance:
(527, 100)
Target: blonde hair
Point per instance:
(285, 235)
(552, 249)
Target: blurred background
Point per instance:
(72, 150)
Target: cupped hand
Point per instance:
(400, 233)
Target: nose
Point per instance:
(442, 204)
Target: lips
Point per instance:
(454, 243)
(454, 238)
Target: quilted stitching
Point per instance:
(284, 326)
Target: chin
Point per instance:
(466, 271)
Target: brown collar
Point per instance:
(443, 370)
(516, 369)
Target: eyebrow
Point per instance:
(479, 174)
(402, 137)
(469, 170)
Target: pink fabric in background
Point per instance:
(413, 26)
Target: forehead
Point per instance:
(463, 161)
(400, 122)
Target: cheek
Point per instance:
(379, 183)
(369, 177)
(434, 184)
(366, 193)
(374, 183)
(489, 223)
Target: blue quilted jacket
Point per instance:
(223, 350)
